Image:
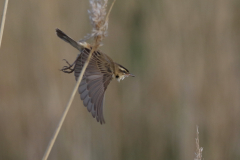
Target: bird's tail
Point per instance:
(66, 38)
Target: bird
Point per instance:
(99, 73)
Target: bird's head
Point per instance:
(121, 72)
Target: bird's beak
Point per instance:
(131, 75)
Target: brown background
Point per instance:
(186, 58)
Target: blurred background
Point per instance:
(186, 58)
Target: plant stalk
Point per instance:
(3, 20)
(51, 143)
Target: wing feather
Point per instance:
(95, 81)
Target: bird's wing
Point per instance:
(95, 81)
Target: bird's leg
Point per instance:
(68, 69)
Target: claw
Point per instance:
(67, 62)
(68, 69)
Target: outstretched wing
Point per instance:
(95, 81)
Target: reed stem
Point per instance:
(3, 20)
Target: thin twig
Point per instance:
(198, 154)
(3, 20)
(51, 143)
(110, 9)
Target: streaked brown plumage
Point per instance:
(100, 71)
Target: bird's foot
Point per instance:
(68, 69)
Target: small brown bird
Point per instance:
(100, 71)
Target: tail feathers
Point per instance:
(66, 38)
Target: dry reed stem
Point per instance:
(106, 20)
(3, 20)
(51, 143)
(198, 154)
(94, 48)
